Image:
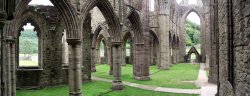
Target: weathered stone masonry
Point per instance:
(225, 28)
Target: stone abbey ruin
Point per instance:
(69, 35)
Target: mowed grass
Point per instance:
(95, 88)
(172, 78)
(27, 63)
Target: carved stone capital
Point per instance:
(2, 18)
(74, 41)
(116, 44)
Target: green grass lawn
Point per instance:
(27, 63)
(95, 88)
(172, 78)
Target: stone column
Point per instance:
(151, 51)
(110, 60)
(2, 69)
(174, 55)
(75, 66)
(105, 54)
(93, 62)
(131, 52)
(141, 69)
(164, 34)
(117, 83)
(214, 61)
(98, 57)
(124, 55)
(177, 55)
(10, 67)
(13, 67)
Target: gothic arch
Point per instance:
(69, 15)
(97, 32)
(135, 25)
(183, 15)
(101, 38)
(108, 13)
(29, 16)
(125, 38)
(155, 36)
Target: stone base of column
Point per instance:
(142, 78)
(117, 85)
(75, 94)
(93, 70)
(163, 68)
(110, 72)
(212, 81)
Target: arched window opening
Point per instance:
(28, 47)
(193, 58)
(193, 32)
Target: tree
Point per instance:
(193, 33)
(28, 42)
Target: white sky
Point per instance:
(40, 2)
(192, 16)
(28, 26)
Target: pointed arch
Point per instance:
(135, 25)
(155, 36)
(97, 32)
(69, 16)
(108, 13)
(30, 16)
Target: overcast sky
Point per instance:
(192, 16)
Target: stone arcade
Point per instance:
(156, 37)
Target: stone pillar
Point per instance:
(124, 55)
(117, 83)
(173, 56)
(5, 50)
(141, 69)
(75, 68)
(13, 67)
(131, 52)
(105, 54)
(214, 61)
(98, 57)
(151, 51)
(10, 76)
(1, 65)
(177, 55)
(93, 62)
(142, 50)
(164, 32)
(2, 51)
(110, 60)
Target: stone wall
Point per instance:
(234, 47)
(50, 71)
